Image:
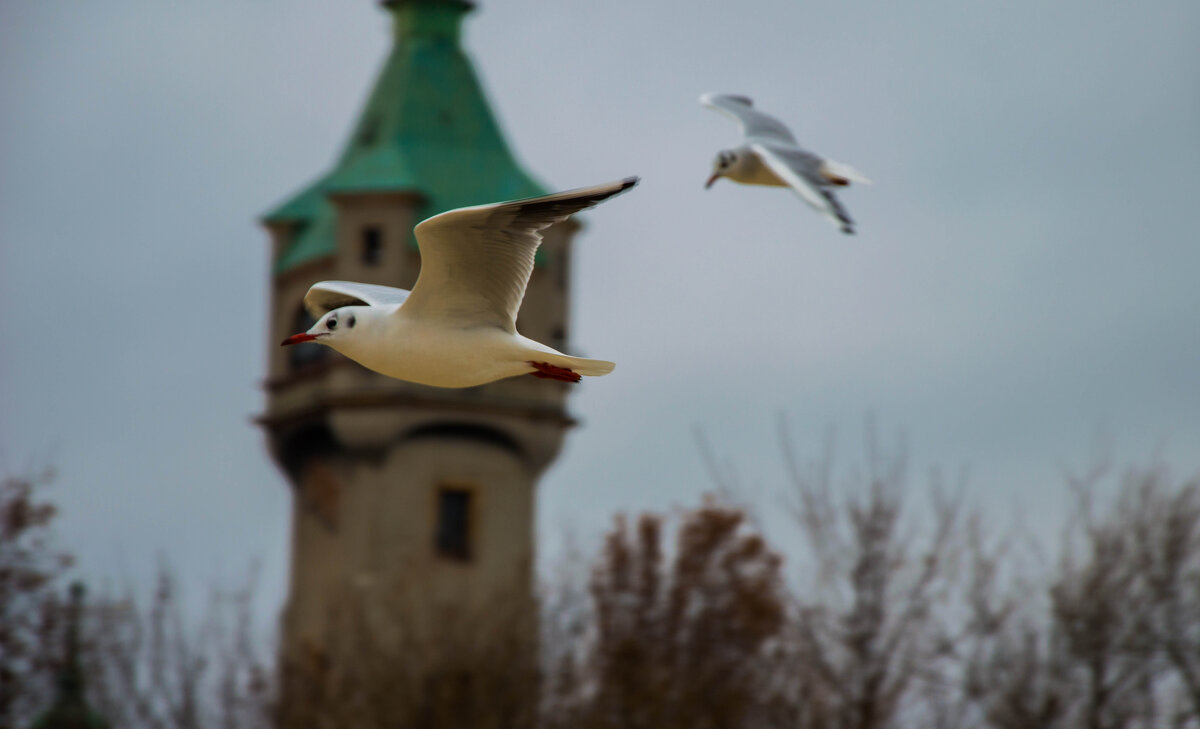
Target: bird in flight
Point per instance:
(457, 327)
(770, 155)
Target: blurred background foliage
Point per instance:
(894, 615)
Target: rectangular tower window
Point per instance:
(372, 245)
(454, 523)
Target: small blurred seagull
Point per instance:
(770, 156)
(457, 328)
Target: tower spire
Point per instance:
(70, 678)
(70, 710)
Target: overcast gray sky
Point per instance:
(1025, 275)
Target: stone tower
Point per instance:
(396, 483)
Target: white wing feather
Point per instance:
(755, 124)
(476, 261)
(325, 296)
(794, 173)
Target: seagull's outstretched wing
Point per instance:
(325, 296)
(755, 124)
(475, 262)
(802, 171)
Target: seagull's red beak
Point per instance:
(298, 338)
(711, 180)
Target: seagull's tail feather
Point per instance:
(841, 173)
(538, 352)
(584, 366)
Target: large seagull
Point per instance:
(457, 327)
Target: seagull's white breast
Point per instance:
(748, 169)
(437, 354)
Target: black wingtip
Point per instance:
(622, 186)
(609, 190)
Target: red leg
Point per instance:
(547, 371)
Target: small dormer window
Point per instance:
(372, 245)
(369, 131)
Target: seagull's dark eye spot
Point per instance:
(350, 321)
(331, 324)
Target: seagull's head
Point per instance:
(723, 162)
(334, 328)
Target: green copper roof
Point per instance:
(426, 128)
